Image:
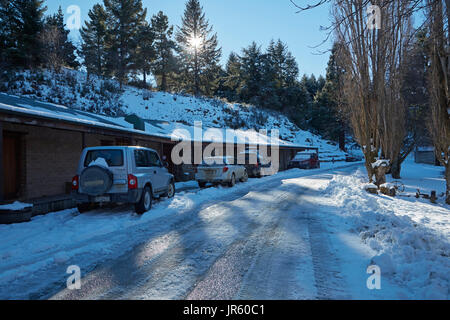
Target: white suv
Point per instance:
(121, 175)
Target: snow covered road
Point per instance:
(296, 235)
(254, 247)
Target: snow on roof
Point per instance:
(162, 129)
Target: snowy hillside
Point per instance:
(74, 90)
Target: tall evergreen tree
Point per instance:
(94, 39)
(328, 118)
(56, 43)
(280, 76)
(165, 61)
(199, 51)
(8, 30)
(232, 81)
(252, 65)
(124, 20)
(283, 65)
(145, 51)
(25, 26)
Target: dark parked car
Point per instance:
(305, 160)
(352, 158)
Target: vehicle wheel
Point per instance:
(232, 182)
(83, 207)
(202, 185)
(171, 190)
(145, 204)
(245, 177)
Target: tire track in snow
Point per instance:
(149, 272)
(264, 266)
(283, 268)
(329, 282)
(183, 282)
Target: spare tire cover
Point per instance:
(96, 180)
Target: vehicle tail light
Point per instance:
(225, 169)
(75, 183)
(132, 182)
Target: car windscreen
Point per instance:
(114, 158)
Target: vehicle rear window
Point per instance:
(114, 158)
(217, 161)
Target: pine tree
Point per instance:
(94, 38)
(252, 73)
(145, 50)
(24, 47)
(283, 64)
(8, 30)
(124, 19)
(328, 118)
(199, 51)
(59, 50)
(232, 81)
(165, 61)
(280, 76)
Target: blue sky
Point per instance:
(239, 22)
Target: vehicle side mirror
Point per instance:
(166, 164)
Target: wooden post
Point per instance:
(2, 172)
(433, 197)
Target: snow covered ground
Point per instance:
(406, 237)
(297, 235)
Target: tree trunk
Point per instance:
(196, 75)
(369, 159)
(447, 180)
(380, 175)
(342, 138)
(163, 82)
(396, 169)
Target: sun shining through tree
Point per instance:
(196, 43)
(199, 51)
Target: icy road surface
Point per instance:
(296, 235)
(263, 242)
(260, 244)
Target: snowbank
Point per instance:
(410, 236)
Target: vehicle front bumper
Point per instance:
(132, 196)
